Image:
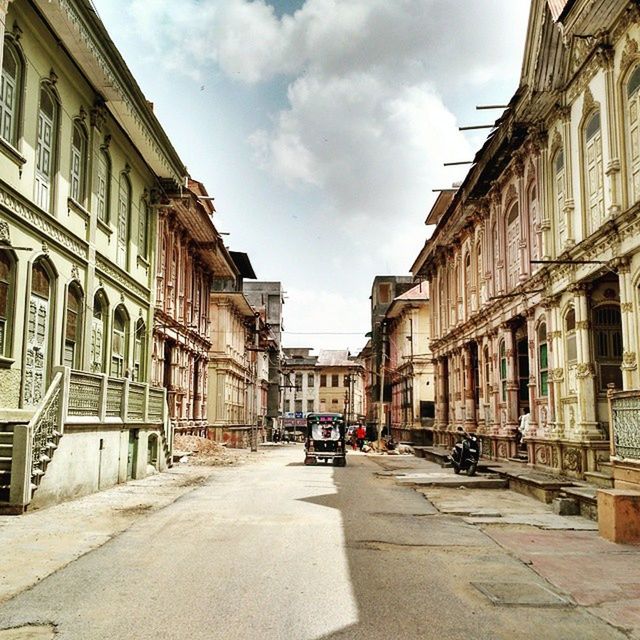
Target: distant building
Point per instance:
(341, 388)
(268, 299)
(383, 291)
(410, 365)
(301, 388)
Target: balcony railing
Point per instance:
(624, 415)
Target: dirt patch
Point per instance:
(206, 452)
(134, 510)
(30, 632)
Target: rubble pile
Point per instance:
(202, 451)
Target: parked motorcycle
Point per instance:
(466, 453)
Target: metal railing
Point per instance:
(624, 416)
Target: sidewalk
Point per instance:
(566, 551)
(39, 543)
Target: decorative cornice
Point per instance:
(119, 277)
(53, 231)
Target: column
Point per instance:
(523, 211)
(556, 370)
(512, 381)
(629, 340)
(533, 372)
(569, 202)
(613, 178)
(586, 425)
(495, 381)
(470, 418)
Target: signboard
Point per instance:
(294, 422)
(299, 415)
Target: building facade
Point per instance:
(341, 384)
(534, 265)
(189, 254)
(83, 157)
(267, 298)
(301, 388)
(383, 291)
(410, 366)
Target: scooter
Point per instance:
(466, 453)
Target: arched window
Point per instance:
(98, 331)
(513, 246)
(46, 144)
(570, 336)
(558, 196)
(103, 184)
(124, 214)
(140, 351)
(633, 141)
(143, 230)
(607, 337)
(593, 176)
(119, 342)
(38, 332)
(73, 327)
(78, 162)
(503, 371)
(543, 361)
(10, 93)
(7, 288)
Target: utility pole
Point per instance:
(381, 379)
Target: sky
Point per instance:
(321, 128)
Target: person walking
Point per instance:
(361, 434)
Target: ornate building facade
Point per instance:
(190, 253)
(83, 157)
(534, 264)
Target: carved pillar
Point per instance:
(586, 424)
(512, 381)
(545, 191)
(442, 405)
(569, 202)
(470, 418)
(629, 340)
(495, 381)
(534, 368)
(558, 372)
(612, 168)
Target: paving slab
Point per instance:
(437, 479)
(524, 594)
(542, 520)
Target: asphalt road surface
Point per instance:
(276, 550)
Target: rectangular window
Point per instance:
(335, 380)
(310, 406)
(311, 381)
(298, 381)
(298, 406)
(323, 380)
(544, 370)
(143, 231)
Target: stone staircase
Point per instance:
(6, 452)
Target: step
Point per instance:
(586, 497)
(605, 468)
(5, 463)
(599, 479)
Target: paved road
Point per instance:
(277, 550)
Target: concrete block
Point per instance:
(566, 507)
(619, 515)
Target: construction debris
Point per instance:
(202, 451)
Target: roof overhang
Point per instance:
(87, 41)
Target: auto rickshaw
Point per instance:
(325, 439)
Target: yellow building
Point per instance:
(84, 161)
(341, 384)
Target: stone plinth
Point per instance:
(619, 515)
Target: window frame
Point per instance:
(11, 46)
(123, 221)
(6, 337)
(44, 182)
(78, 164)
(543, 360)
(74, 286)
(103, 201)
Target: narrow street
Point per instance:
(277, 550)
